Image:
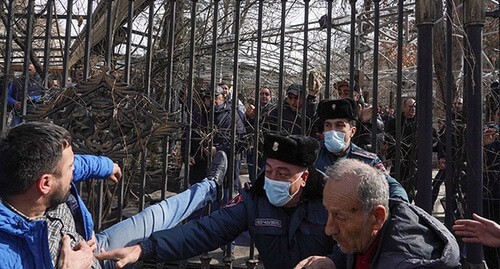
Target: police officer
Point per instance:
(339, 126)
(283, 213)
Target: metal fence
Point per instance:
(172, 53)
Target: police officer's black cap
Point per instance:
(293, 149)
(337, 109)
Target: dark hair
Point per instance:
(28, 151)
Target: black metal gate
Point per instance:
(170, 54)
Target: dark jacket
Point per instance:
(326, 158)
(411, 238)
(291, 120)
(283, 236)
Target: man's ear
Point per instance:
(45, 183)
(305, 176)
(353, 131)
(380, 214)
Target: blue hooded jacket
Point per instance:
(23, 243)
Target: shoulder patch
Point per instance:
(364, 153)
(380, 166)
(234, 202)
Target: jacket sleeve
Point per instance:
(395, 189)
(197, 236)
(10, 99)
(91, 167)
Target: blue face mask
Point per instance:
(278, 192)
(334, 141)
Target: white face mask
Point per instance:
(278, 192)
(334, 141)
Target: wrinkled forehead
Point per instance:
(341, 196)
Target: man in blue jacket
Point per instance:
(338, 118)
(283, 213)
(43, 221)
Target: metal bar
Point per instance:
(88, 41)
(67, 44)
(328, 49)
(46, 51)
(474, 20)
(399, 81)
(282, 65)
(170, 56)
(7, 64)
(121, 189)
(213, 74)
(234, 113)
(149, 53)
(100, 201)
(128, 48)
(425, 21)
(303, 117)
(450, 183)
(252, 262)
(189, 100)
(109, 34)
(352, 48)
(376, 36)
(43, 16)
(144, 175)
(27, 53)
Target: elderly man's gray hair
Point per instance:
(373, 188)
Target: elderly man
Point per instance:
(282, 212)
(338, 118)
(44, 222)
(373, 231)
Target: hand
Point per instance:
(480, 230)
(116, 174)
(92, 243)
(365, 114)
(316, 87)
(191, 161)
(250, 112)
(17, 105)
(442, 164)
(79, 257)
(122, 256)
(316, 262)
(489, 136)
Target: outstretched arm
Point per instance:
(122, 256)
(480, 230)
(95, 167)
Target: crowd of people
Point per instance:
(321, 197)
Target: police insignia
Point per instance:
(275, 146)
(334, 106)
(268, 223)
(235, 201)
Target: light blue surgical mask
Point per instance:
(278, 192)
(334, 141)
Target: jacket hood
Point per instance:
(12, 223)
